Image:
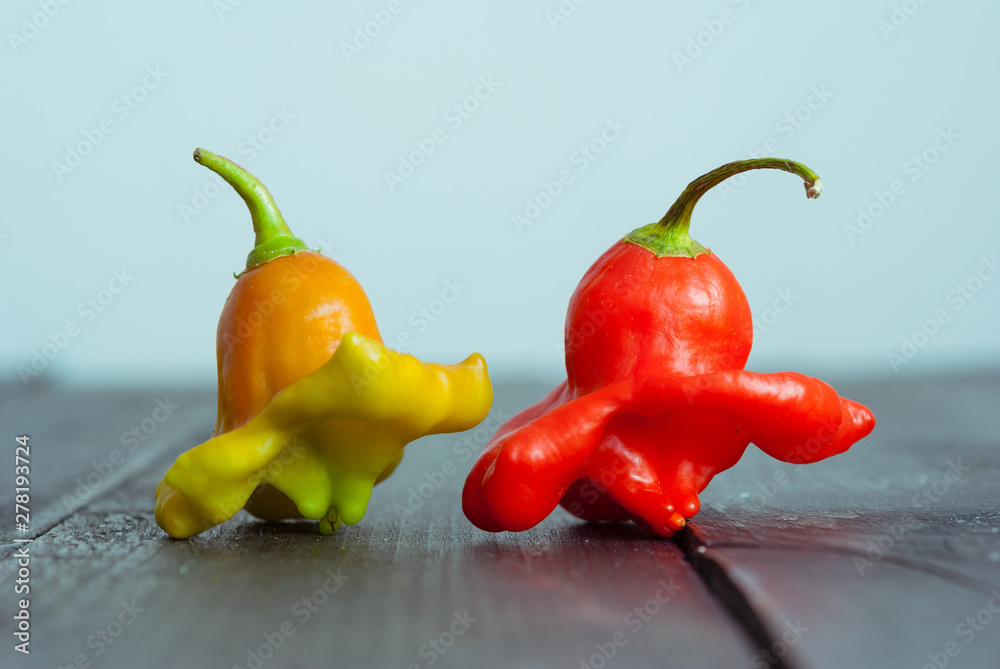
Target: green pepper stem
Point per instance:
(273, 238)
(669, 236)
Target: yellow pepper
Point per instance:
(312, 412)
(380, 399)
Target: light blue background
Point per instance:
(888, 95)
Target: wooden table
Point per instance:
(886, 556)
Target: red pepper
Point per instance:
(656, 400)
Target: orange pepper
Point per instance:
(302, 432)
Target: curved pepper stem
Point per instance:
(669, 236)
(274, 239)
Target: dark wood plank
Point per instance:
(878, 556)
(829, 616)
(84, 442)
(553, 596)
(890, 547)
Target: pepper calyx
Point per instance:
(674, 243)
(273, 237)
(669, 236)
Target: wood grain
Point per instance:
(882, 552)
(553, 596)
(875, 558)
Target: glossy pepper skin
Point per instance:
(656, 400)
(310, 302)
(382, 399)
(313, 409)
